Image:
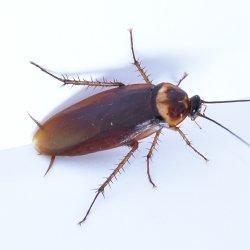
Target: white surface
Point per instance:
(196, 205)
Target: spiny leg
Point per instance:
(150, 153)
(182, 78)
(52, 159)
(91, 83)
(117, 170)
(35, 121)
(136, 62)
(189, 143)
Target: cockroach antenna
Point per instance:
(230, 101)
(232, 133)
(219, 124)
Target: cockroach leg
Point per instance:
(91, 83)
(100, 190)
(52, 159)
(136, 62)
(182, 78)
(189, 143)
(150, 153)
(35, 121)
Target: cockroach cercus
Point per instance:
(120, 116)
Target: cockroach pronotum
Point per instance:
(120, 116)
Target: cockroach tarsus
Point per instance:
(120, 116)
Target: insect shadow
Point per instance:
(160, 67)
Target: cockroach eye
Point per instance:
(195, 106)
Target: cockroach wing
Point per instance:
(103, 121)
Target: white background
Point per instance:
(196, 205)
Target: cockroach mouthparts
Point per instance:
(120, 116)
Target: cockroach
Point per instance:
(120, 116)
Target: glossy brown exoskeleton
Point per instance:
(120, 116)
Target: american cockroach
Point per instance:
(120, 116)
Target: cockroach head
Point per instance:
(195, 106)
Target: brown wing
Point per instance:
(106, 120)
